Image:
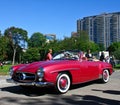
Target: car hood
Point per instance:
(33, 67)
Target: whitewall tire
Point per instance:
(105, 76)
(63, 83)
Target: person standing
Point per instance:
(1, 64)
(102, 57)
(88, 55)
(49, 55)
(112, 60)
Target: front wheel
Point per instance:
(63, 83)
(105, 76)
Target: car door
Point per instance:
(89, 70)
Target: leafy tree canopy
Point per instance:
(117, 54)
(37, 40)
(3, 48)
(32, 54)
(17, 38)
(114, 47)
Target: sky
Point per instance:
(51, 16)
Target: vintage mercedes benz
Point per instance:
(65, 69)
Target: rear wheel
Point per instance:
(63, 83)
(105, 76)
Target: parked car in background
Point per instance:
(7, 62)
(65, 69)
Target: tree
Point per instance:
(83, 43)
(66, 44)
(3, 48)
(114, 47)
(31, 55)
(117, 54)
(101, 47)
(17, 38)
(37, 40)
(0, 34)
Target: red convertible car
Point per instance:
(65, 69)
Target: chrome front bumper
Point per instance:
(37, 84)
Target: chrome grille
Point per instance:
(24, 77)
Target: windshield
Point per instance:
(66, 55)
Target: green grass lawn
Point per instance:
(117, 67)
(5, 70)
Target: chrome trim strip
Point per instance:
(37, 84)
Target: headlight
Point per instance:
(11, 70)
(40, 73)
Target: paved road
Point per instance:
(92, 93)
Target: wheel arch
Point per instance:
(107, 69)
(58, 86)
(101, 72)
(66, 72)
(102, 69)
(104, 78)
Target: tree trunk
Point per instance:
(14, 53)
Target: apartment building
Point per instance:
(102, 29)
(50, 37)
